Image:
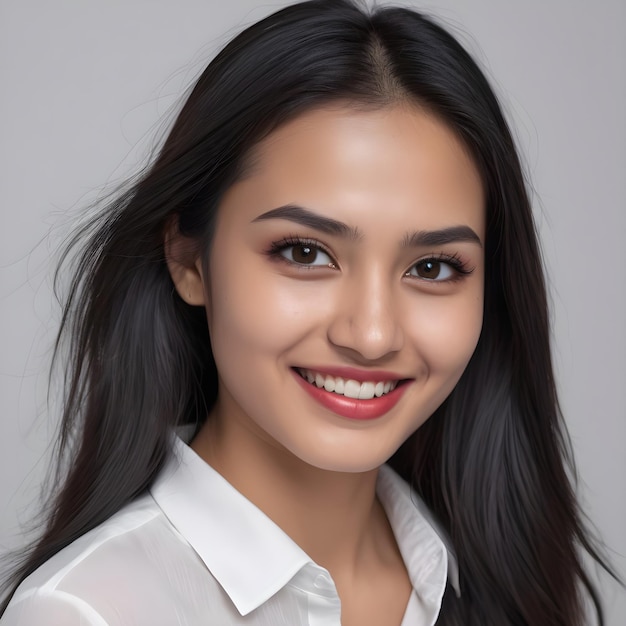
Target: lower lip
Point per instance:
(353, 408)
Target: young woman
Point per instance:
(310, 365)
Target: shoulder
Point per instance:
(50, 608)
(118, 568)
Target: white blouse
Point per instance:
(194, 551)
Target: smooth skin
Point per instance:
(285, 291)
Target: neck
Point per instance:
(333, 516)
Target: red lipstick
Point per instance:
(353, 408)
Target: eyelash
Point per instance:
(459, 267)
(278, 247)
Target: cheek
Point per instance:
(256, 310)
(446, 335)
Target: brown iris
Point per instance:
(428, 269)
(304, 254)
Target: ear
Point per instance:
(183, 260)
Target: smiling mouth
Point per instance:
(349, 388)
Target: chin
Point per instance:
(360, 459)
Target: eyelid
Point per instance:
(460, 268)
(278, 247)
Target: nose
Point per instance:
(366, 319)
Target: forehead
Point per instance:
(390, 159)
(403, 129)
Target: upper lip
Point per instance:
(352, 373)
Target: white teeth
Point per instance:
(352, 389)
(349, 388)
(367, 391)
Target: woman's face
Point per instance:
(344, 293)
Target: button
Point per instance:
(322, 582)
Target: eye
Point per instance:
(433, 269)
(306, 254)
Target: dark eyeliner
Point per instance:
(460, 267)
(277, 247)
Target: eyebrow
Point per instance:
(329, 226)
(453, 234)
(304, 217)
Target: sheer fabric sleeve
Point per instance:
(51, 608)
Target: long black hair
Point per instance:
(492, 462)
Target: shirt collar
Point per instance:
(423, 544)
(247, 553)
(254, 558)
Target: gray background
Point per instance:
(85, 86)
